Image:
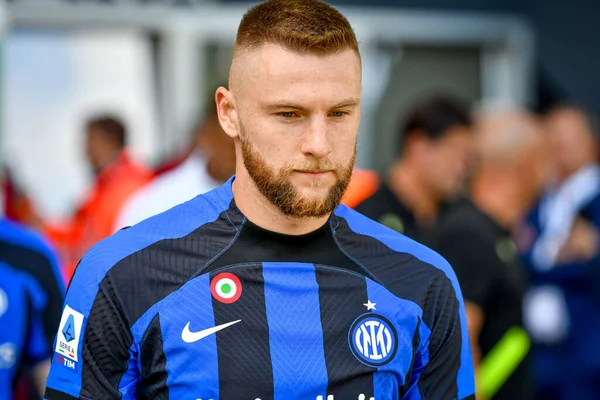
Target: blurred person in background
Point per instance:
(209, 165)
(31, 297)
(17, 206)
(562, 308)
(117, 176)
(475, 237)
(23, 344)
(429, 170)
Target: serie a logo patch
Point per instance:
(69, 335)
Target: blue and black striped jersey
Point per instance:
(26, 251)
(22, 338)
(200, 303)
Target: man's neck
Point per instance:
(408, 187)
(498, 198)
(264, 214)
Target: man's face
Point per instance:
(446, 162)
(298, 118)
(95, 145)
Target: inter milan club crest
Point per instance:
(373, 340)
(226, 288)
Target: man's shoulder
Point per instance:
(175, 223)
(20, 235)
(400, 250)
(22, 283)
(8, 274)
(406, 268)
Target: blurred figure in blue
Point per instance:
(562, 308)
(31, 296)
(22, 339)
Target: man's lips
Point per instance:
(314, 172)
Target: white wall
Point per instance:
(52, 81)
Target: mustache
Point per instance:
(312, 166)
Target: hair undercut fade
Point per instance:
(304, 26)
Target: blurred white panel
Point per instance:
(53, 81)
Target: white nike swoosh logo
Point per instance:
(191, 337)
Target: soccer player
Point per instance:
(428, 173)
(31, 290)
(264, 288)
(22, 340)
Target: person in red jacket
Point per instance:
(117, 177)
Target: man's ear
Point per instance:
(228, 116)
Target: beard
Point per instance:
(281, 192)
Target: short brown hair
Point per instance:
(111, 127)
(297, 25)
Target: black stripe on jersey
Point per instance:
(415, 345)
(255, 244)
(427, 286)
(38, 265)
(155, 272)
(244, 358)
(154, 365)
(337, 315)
(52, 394)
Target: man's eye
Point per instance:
(338, 114)
(288, 114)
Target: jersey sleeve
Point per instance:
(94, 355)
(447, 350)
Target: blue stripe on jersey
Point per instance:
(400, 243)
(14, 316)
(295, 285)
(128, 384)
(413, 394)
(20, 235)
(401, 313)
(186, 362)
(175, 223)
(385, 386)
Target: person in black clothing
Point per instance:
(475, 237)
(429, 170)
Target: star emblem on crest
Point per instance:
(370, 306)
